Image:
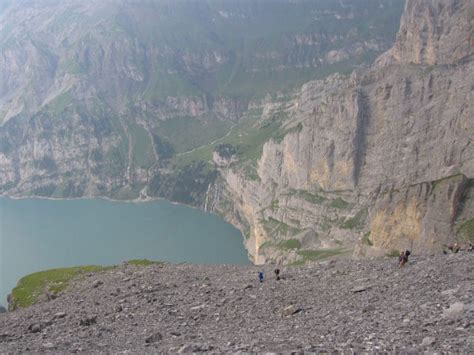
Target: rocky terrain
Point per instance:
(382, 160)
(338, 305)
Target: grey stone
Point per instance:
(88, 321)
(35, 328)
(454, 311)
(291, 310)
(97, 283)
(360, 289)
(60, 315)
(153, 338)
(427, 341)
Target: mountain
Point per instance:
(264, 112)
(374, 163)
(102, 98)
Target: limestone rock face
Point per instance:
(383, 159)
(434, 32)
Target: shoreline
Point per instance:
(138, 200)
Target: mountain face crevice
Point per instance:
(360, 143)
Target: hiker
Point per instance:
(403, 258)
(277, 274)
(260, 276)
(454, 247)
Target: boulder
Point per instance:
(454, 311)
(154, 338)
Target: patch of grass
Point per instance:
(31, 288)
(143, 156)
(127, 192)
(143, 262)
(466, 230)
(339, 203)
(366, 239)
(357, 221)
(311, 197)
(274, 204)
(290, 244)
(436, 183)
(187, 133)
(274, 226)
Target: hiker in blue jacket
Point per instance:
(260, 276)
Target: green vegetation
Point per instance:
(34, 287)
(311, 197)
(273, 226)
(356, 222)
(246, 139)
(290, 244)
(436, 183)
(44, 191)
(143, 262)
(31, 288)
(339, 203)
(314, 255)
(366, 239)
(186, 184)
(143, 156)
(225, 150)
(466, 230)
(187, 133)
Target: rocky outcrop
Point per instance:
(434, 32)
(384, 157)
(224, 309)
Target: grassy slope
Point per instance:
(32, 288)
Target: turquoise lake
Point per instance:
(38, 234)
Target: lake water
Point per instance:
(38, 234)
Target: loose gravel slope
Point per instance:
(368, 305)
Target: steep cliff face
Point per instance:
(433, 33)
(382, 160)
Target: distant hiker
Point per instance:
(470, 247)
(454, 247)
(403, 258)
(277, 274)
(260, 276)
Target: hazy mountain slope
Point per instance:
(383, 159)
(97, 98)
